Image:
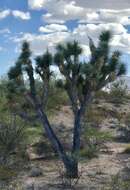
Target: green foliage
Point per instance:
(33, 134)
(43, 64)
(60, 83)
(94, 115)
(6, 173)
(90, 152)
(118, 92)
(81, 81)
(11, 139)
(82, 78)
(93, 140)
(57, 98)
(118, 184)
(15, 71)
(91, 132)
(3, 98)
(102, 95)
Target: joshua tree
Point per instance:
(82, 80)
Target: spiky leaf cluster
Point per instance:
(43, 64)
(83, 77)
(105, 66)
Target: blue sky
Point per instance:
(44, 23)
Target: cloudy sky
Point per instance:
(44, 23)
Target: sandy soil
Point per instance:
(94, 173)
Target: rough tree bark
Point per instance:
(68, 162)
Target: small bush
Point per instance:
(58, 97)
(89, 151)
(102, 95)
(11, 139)
(117, 183)
(95, 116)
(118, 92)
(6, 173)
(93, 140)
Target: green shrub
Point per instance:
(6, 173)
(11, 139)
(33, 134)
(93, 140)
(102, 95)
(95, 115)
(118, 184)
(118, 92)
(58, 97)
(90, 151)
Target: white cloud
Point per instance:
(104, 4)
(53, 28)
(39, 42)
(98, 11)
(96, 4)
(94, 30)
(4, 14)
(37, 4)
(121, 42)
(71, 11)
(107, 16)
(93, 17)
(49, 18)
(5, 31)
(61, 11)
(16, 13)
(120, 38)
(22, 15)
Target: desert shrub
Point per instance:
(44, 147)
(11, 139)
(58, 97)
(60, 84)
(93, 141)
(90, 151)
(118, 91)
(57, 94)
(117, 183)
(6, 173)
(33, 134)
(102, 94)
(95, 116)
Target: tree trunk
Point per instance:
(51, 134)
(70, 163)
(72, 169)
(79, 115)
(77, 133)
